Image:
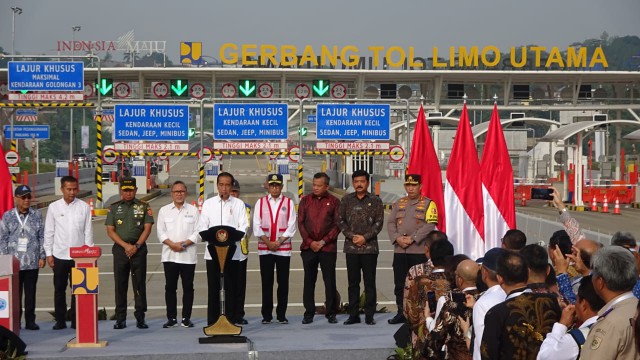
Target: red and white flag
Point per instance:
(463, 193)
(424, 161)
(497, 185)
(6, 187)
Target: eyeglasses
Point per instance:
(179, 191)
(24, 197)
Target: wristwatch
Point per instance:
(138, 246)
(184, 246)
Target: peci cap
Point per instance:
(128, 183)
(490, 259)
(412, 179)
(275, 179)
(22, 190)
(235, 186)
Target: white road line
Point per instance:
(255, 306)
(204, 271)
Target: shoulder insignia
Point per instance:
(149, 211)
(431, 215)
(595, 343)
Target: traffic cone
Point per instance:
(523, 202)
(93, 212)
(605, 206)
(616, 208)
(594, 205)
(200, 204)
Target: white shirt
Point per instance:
(230, 212)
(178, 224)
(560, 345)
(492, 297)
(67, 225)
(291, 224)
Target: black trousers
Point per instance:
(235, 285)
(327, 262)
(27, 280)
(61, 280)
(401, 265)
(365, 265)
(281, 264)
(185, 272)
(136, 267)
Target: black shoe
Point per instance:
(352, 320)
(398, 319)
(265, 321)
(142, 325)
(332, 319)
(186, 323)
(59, 326)
(283, 321)
(307, 320)
(32, 326)
(119, 325)
(170, 323)
(369, 321)
(241, 321)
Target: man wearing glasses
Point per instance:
(177, 232)
(22, 235)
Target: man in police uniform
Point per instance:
(129, 224)
(411, 219)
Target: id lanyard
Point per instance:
(22, 223)
(22, 240)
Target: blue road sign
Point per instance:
(26, 112)
(151, 122)
(311, 118)
(27, 132)
(353, 121)
(250, 121)
(46, 76)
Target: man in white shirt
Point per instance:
(274, 224)
(222, 209)
(561, 344)
(493, 296)
(177, 232)
(68, 224)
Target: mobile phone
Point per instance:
(459, 298)
(433, 303)
(542, 194)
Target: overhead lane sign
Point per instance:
(46, 76)
(250, 121)
(27, 132)
(353, 121)
(151, 122)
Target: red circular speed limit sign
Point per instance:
(228, 90)
(160, 90)
(12, 158)
(198, 91)
(122, 90)
(396, 157)
(109, 156)
(338, 91)
(265, 90)
(302, 91)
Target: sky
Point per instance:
(422, 24)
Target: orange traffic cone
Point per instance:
(523, 202)
(616, 208)
(93, 212)
(594, 204)
(605, 205)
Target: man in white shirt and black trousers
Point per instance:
(274, 224)
(177, 232)
(68, 224)
(222, 209)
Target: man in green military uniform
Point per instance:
(411, 219)
(129, 224)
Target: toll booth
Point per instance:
(283, 169)
(139, 172)
(9, 303)
(62, 169)
(211, 171)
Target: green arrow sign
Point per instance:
(321, 88)
(179, 89)
(248, 88)
(103, 88)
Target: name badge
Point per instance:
(22, 244)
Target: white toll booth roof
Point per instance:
(482, 128)
(567, 131)
(634, 136)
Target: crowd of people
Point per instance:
(571, 298)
